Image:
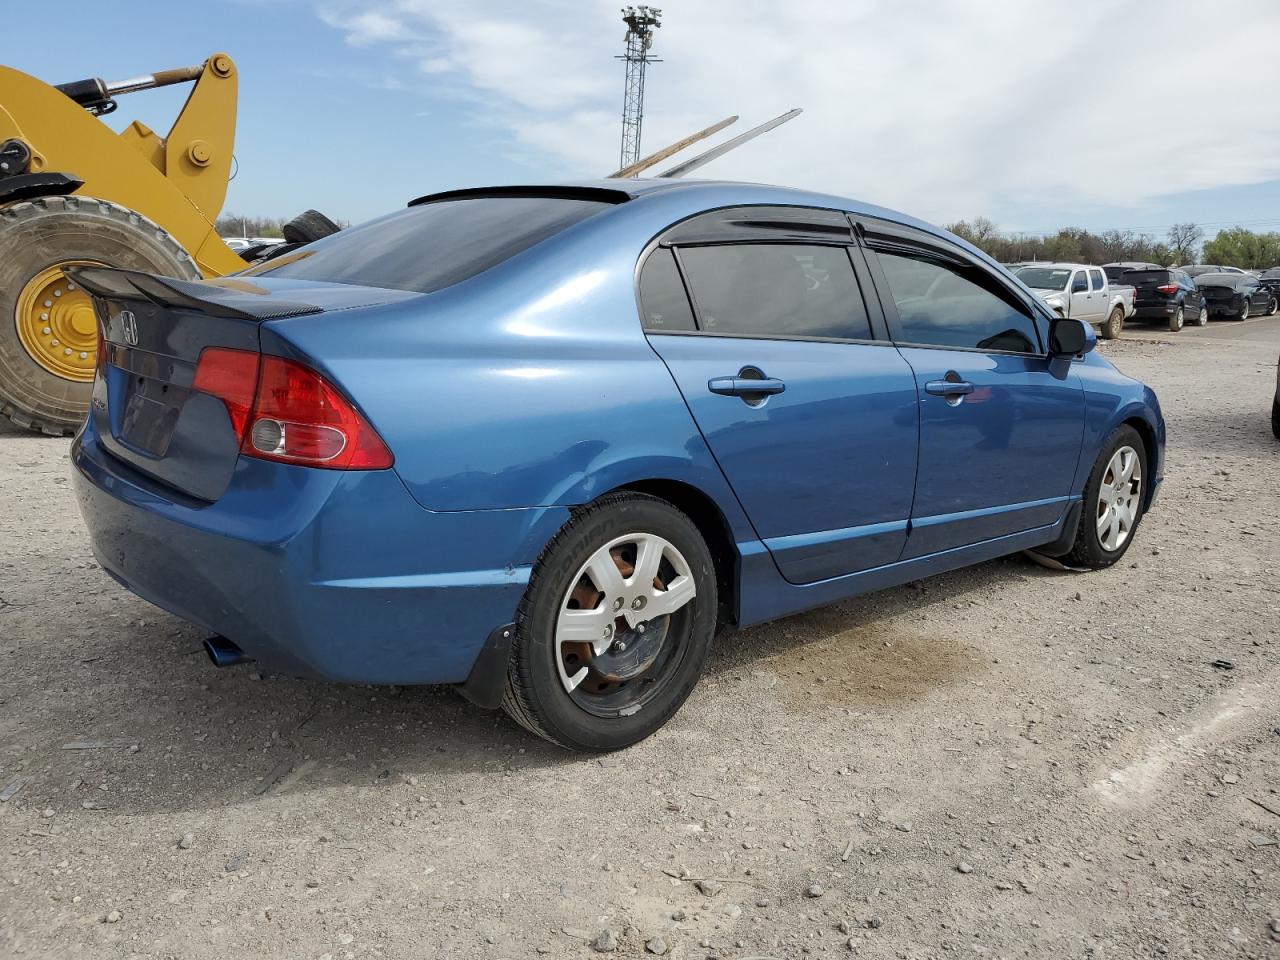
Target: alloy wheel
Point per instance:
(1119, 498)
(621, 623)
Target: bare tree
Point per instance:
(1183, 238)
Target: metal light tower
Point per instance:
(641, 22)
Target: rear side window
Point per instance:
(1097, 279)
(776, 290)
(433, 246)
(663, 300)
(945, 306)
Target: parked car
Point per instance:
(540, 442)
(1167, 294)
(1081, 291)
(1200, 268)
(1271, 280)
(1236, 296)
(1275, 407)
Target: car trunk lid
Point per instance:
(152, 331)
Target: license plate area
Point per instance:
(150, 415)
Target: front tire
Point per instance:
(1114, 323)
(1113, 501)
(1178, 319)
(615, 626)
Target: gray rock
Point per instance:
(875, 923)
(845, 927)
(708, 886)
(814, 890)
(606, 941)
(731, 910)
(187, 841)
(114, 916)
(657, 946)
(964, 867)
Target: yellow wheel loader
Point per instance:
(74, 192)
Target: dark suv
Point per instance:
(1163, 293)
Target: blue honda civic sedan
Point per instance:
(541, 442)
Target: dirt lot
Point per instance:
(1006, 761)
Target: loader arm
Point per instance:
(179, 181)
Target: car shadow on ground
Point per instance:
(129, 675)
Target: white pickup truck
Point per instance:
(1081, 291)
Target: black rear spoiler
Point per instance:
(231, 297)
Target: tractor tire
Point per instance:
(48, 331)
(307, 226)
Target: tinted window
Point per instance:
(663, 301)
(1113, 273)
(1136, 277)
(950, 306)
(771, 289)
(434, 245)
(1097, 278)
(1079, 283)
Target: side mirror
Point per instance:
(1070, 338)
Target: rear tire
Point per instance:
(1202, 318)
(1101, 492)
(35, 237)
(597, 700)
(1273, 308)
(1179, 318)
(1114, 323)
(1243, 312)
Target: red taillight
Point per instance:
(232, 377)
(285, 411)
(1169, 288)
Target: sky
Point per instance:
(1128, 114)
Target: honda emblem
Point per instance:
(129, 326)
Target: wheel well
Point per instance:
(706, 516)
(1148, 441)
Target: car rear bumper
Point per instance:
(1155, 309)
(333, 575)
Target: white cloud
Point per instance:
(945, 108)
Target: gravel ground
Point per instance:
(1006, 761)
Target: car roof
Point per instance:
(717, 193)
(1056, 265)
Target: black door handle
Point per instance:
(744, 386)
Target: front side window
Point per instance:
(1080, 283)
(948, 306)
(776, 290)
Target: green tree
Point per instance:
(1243, 248)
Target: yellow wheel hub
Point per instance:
(56, 323)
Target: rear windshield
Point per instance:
(1145, 276)
(1043, 278)
(432, 246)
